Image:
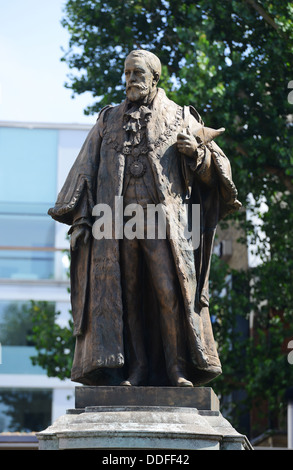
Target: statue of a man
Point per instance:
(140, 304)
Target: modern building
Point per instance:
(34, 161)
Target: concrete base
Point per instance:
(143, 418)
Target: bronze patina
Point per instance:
(140, 304)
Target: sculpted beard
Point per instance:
(136, 92)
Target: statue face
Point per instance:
(139, 79)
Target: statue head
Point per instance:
(142, 72)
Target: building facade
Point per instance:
(34, 161)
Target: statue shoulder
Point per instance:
(103, 111)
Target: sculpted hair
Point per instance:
(152, 61)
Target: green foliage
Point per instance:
(230, 59)
(54, 343)
(225, 58)
(254, 360)
(16, 325)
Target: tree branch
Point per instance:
(263, 13)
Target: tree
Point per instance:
(256, 364)
(16, 324)
(54, 343)
(233, 61)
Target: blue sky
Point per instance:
(32, 76)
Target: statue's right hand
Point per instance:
(79, 234)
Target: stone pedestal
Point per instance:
(132, 418)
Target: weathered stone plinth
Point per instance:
(143, 418)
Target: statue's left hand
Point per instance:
(187, 144)
(80, 233)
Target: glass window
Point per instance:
(26, 243)
(25, 410)
(15, 323)
(17, 345)
(28, 166)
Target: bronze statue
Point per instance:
(140, 304)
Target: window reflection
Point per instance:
(28, 179)
(25, 410)
(26, 246)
